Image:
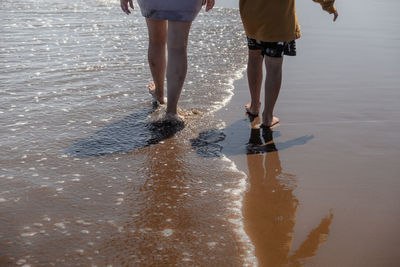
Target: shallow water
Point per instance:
(88, 175)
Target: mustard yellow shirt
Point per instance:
(274, 20)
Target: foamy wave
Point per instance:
(237, 75)
(236, 220)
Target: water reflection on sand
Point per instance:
(270, 207)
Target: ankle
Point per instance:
(267, 117)
(159, 95)
(255, 105)
(171, 111)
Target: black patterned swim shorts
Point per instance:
(273, 49)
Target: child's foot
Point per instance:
(270, 123)
(153, 93)
(255, 123)
(174, 118)
(252, 111)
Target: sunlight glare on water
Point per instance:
(87, 174)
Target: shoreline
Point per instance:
(320, 174)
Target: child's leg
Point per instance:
(157, 56)
(255, 77)
(273, 83)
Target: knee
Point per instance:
(157, 43)
(255, 54)
(255, 57)
(177, 50)
(177, 45)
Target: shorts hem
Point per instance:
(273, 49)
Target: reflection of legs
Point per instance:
(157, 56)
(269, 212)
(315, 238)
(256, 174)
(273, 83)
(254, 76)
(178, 33)
(273, 168)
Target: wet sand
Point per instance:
(318, 190)
(323, 188)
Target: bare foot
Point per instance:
(255, 123)
(174, 118)
(271, 124)
(153, 93)
(252, 110)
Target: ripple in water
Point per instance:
(88, 176)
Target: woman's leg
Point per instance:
(157, 56)
(254, 76)
(273, 83)
(178, 33)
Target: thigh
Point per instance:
(182, 10)
(157, 30)
(255, 57)
(178, 33)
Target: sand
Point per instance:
(327, 193)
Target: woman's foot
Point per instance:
(153, 92)
(270, 123)
(174, 118)
(252, 111)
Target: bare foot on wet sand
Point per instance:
(174, 118)
(252, 111)
(153, 93)
(270, 124)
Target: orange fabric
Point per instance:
(274, 20)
